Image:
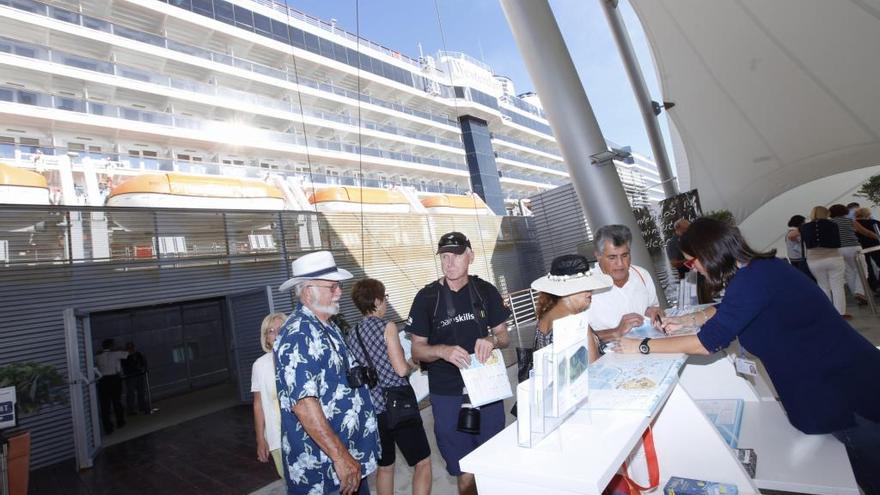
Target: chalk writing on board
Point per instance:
(648, 226)
(684, 205)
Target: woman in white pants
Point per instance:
(821, 237)
(849, 249)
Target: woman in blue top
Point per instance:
(381, 340)
(824, 371)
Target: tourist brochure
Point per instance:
(570, 360)
(487, 382)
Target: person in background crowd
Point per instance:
(267, 412)
(330, 438)
(849, 249)
(109, 366)
(633, 296)
(381, 341)
(134, 366)
(863, 218)
(567, 290)
(852, 207)
(673, 250)
(823, 370)
(821, 237)
(794, 247)
(449, 320)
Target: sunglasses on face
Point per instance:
(332, 287)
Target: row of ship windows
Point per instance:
(262, 25)
(295, 37)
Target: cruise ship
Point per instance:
(162, 163)
(93, 92)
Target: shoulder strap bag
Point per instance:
(401, 406)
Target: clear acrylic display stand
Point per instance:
(557, 386)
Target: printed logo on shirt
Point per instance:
(457, 319)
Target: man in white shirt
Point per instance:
(109, 363)
(632, 298)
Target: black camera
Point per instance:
(468, 418)
(362, 375)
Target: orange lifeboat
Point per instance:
(455, 204)
(174, 190)
(23, 187)
(356, 199)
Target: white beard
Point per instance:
(331, 309)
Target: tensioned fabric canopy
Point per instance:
(769, 94)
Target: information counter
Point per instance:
(585, 452)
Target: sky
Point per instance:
(479, 28)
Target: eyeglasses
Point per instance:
(689, 264)
(332, 287)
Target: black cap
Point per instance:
(453, 242)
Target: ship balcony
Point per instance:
(557, 169)
(20, 102)
(534, 180)
(549, 151)
(201, 53)
(231, 96)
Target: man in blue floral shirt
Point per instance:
(329, 434)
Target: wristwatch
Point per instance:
(644, 348)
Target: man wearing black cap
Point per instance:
(449, 320)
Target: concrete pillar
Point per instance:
(574, 124)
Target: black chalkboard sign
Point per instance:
(648, 226)
(684, 205)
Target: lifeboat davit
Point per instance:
(174, 190)
(455, 204)
(23, 187)
(356, 199)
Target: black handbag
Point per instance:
(401, 406)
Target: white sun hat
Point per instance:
(312, 266)
(570, 274)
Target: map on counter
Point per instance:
(645, 330)
(633, 381)
(487, 382)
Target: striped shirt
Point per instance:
(847, 231)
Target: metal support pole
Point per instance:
(637, 80)
(565, 102)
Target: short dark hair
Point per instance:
(853, 205)
(107, 344)
(364, 294)
(719, 246)
(838, 210)
(796, 221)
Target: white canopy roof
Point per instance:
(769, 94)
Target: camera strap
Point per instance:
(357, 334)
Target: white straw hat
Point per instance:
(570, 274)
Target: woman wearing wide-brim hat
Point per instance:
(567, 290)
